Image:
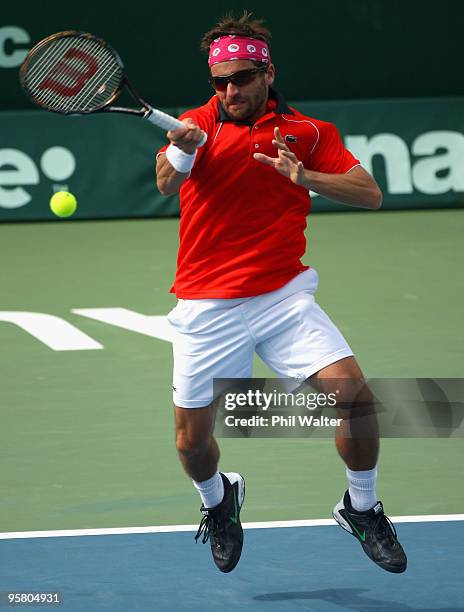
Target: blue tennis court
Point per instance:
(296, 568)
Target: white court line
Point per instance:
(12, 535)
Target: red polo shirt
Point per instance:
(242, 223)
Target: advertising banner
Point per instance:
(414, 148)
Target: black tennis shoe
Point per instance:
(221, 524)
(375, 532)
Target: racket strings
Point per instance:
(44, 63)
(92, 87)
(87, 105)
(67, 80)
(44, 59)
(55, 54)
(106, 83)
(98, 87)
(98, 84)
(96, 91)
(43, 67)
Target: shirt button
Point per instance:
(256, 146)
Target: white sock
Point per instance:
(211, 490)
(362, 488)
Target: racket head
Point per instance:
(72, 72)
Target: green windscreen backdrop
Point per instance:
(330, 50)
(414, 148)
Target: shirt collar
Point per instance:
(281, 107)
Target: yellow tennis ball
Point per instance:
(63, 204)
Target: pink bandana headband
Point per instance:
(229, 48)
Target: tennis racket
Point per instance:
(76, 73)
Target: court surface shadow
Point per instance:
(351, 598)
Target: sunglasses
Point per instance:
(239, 79)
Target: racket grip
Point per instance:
(166, 122)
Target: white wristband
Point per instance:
(179, 160)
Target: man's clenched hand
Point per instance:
(187, 139)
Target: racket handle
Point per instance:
(166, 122)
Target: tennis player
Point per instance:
(242, 288)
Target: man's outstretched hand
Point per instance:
(286, 162)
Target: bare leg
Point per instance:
(196, 446)
(357, 437)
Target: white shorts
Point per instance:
(216, 338)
